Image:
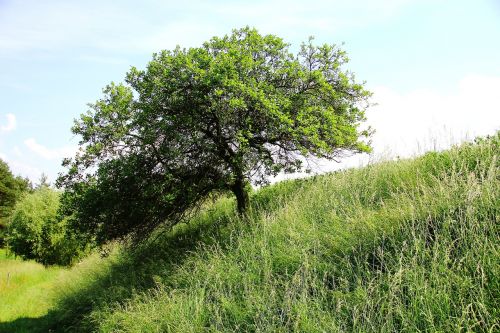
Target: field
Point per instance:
(398, 246)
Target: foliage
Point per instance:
(36, 232)
(212, 118)
(11, 188)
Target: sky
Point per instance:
(433, 66)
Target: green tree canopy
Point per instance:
(36, 231)
(236, 110)
(11, 189)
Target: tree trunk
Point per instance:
(242, 198)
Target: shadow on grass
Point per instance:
(25, 325)
(138, 270)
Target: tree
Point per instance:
(237, 110)
(11, 189)
(43, 181)
(36, 231)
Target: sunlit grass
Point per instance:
(401, 246)
(24, 287)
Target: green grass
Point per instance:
(24, 289)
(402, 246)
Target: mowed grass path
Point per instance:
(24, 288)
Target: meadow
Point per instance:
(410, 245)
(23, 289)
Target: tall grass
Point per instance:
(403, 246)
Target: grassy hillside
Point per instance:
(403, 246)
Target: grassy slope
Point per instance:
(402, 246)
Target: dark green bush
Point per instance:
(37, 232)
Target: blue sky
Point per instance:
(434, 66)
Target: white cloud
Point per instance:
(412, 123)
(423, 119)
(21, 168)
(10, 125)
(49, 154)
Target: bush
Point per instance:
(37, 232)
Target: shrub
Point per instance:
(37, 232)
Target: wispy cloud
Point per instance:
(311, 16)
(10, 125)
(199, 20)
(21, 168)
(49, 154)
(52, 25)
(103, 60)
(33, 25)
